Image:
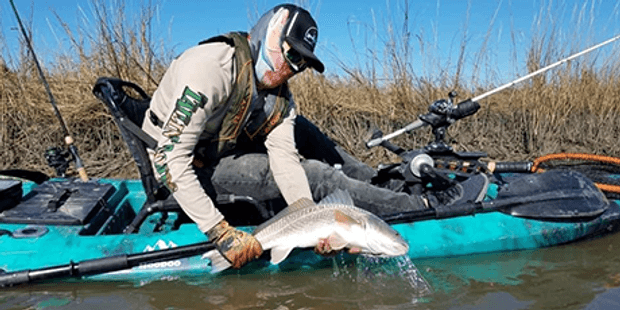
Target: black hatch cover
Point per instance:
(66, 202)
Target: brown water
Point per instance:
(584, 275)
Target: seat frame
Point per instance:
(128, 113)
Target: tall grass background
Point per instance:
(392, 77)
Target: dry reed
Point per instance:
(575, 109)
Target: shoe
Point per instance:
(471, 190)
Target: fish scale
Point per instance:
(297, 224)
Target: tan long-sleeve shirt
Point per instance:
(188, 96)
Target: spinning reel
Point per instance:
(436, 164)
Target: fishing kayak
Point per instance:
(62, 221)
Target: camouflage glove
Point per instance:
(237, 246)
(324, 248)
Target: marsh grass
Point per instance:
(573, 109)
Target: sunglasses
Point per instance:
(295, 60)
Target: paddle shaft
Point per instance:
(505, 204)
(79, 165)
(102, 265)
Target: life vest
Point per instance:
(245, 111)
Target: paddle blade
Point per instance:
(562, 195)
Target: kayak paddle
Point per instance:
(102, 265)
(556, 195)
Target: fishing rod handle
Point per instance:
(464, 109)
(83, 175)
(510, 166)
(14, 278)
(415, 125)
(79, 165)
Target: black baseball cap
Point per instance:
(302, 33)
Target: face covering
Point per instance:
(270, 67)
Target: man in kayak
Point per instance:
(225, 119)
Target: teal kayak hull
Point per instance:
(30, 247)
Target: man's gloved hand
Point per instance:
(324, 248)
(237, 246)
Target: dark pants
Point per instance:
(249, 175)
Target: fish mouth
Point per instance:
(398, 248)
(385, 241)
(395, 246)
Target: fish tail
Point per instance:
(218, 261)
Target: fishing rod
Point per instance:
(68, 138)
(469, 106)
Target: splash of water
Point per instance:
(389, 271)
(388, 276)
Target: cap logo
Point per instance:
(310, 36)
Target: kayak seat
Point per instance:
(128, 113)
(10, 194)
